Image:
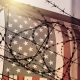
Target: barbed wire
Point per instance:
(48, 24)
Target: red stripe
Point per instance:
(20, 77)
(66, 52)
(5, 78)
(77, 35)
(35, 78)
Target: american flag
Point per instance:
(23, 47)
(26, 38)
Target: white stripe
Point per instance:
(43, 79)
(2, 23)
(11, 77)
(27, 78)
(15, 77)
(59, 59)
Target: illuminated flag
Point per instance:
(27, 38)
(36, 48)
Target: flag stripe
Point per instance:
(2, 31)
(15, 77)
(35, 78)
(59, 59)
(73, 69)
(5, 78)
(27, 78)
(43, 79)
(66, 52)
(76, 30)
(11, 77)
(20, 77)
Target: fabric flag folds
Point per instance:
(19, 37)
(36, 50)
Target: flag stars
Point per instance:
(10, 25)
(51, 52)
(35, 23)
(10, 36)
(29, 60)
(19, 17)
(44, 67)
(51, 62)
(25, 54)
(34, 66)
(30, 38)
(25, 22)
(49, 74)
(29, 19)
(14, 53)
(47, 46)
(20, 48)
(45, 35)
(44, 27)
(20, 37)
(41, 50)
(41, 30)
(14, 42)
(13, 64)
(40, 71)
(30, 27)
(37, 44)
(20, 26)
(24, 63)
(36, 34)
(15, 31)
(8, 70)
(15, 20)
(28, 71)
(51, 41)
(18, 70)
(26, 32)
(30, 49)
(40, 61)
(25, 43)
(41, 40)
(45, 56)
(9, 59)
